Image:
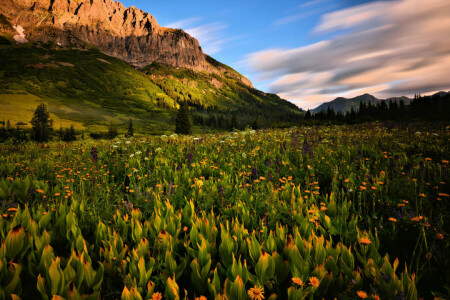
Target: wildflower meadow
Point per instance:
(336, 212)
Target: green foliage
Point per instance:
(69, 135)
(130, 130)
(182, 122)
(41, 124)
(323, 212)
(89, 88)
(112, 131)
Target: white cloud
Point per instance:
(180, 24)
(389, 48)
(301, 15)
(210, 35)
(305, 10)
(312, 3)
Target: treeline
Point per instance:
(241, 119)
(423, 108)
(17, 133)
(42, 130)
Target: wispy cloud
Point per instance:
(210, 35)
(312, 3)
(305, 10)
(181, 24)
(304, 14)
(388, 48)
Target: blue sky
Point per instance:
(254, 37)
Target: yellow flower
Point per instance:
(365, 241)
(375, 297)
(156, 296)
(314, 281)
(201, 298)
(362, 294)
(297, 281)
(256, 293)
(393, 220)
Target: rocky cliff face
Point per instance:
(126, 33)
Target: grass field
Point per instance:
(346, 212)
(89, 89)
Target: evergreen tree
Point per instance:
(255, 124)
(234, 123)
(69, 134)
(40, 124)
(182, 122)
(112, 131)
(20, 135)
(130, 128)
(308, 115)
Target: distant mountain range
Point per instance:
(344, 105)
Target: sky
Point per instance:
(312, 51)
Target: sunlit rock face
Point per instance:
(126, 33)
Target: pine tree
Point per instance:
(234, 123)
(130, 128)
(70, 134)
(182, 122)
(40, 124)
(255, 124)
(112, 131)
(308, 115)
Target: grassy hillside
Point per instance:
(86, 88)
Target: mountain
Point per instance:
(441, 94)
(126, 33)
(344, 105)
(95, 62)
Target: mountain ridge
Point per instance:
(342, 104)
(129, 33)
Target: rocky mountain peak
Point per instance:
(126, 33)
